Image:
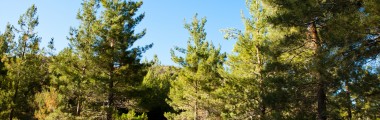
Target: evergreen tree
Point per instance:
(26, 67)
(6, 40)
(316, 32)
(193, 92)
(71, 80)
(111, 37)
(74, 67)
(244, 93)
(359, 86)
(295, 59)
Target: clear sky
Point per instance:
(164, 21)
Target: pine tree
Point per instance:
(26, 67)
(244, 93)
(74, 67)
(73, 81)
(118, 64)
(6, 40)
(321, 29)
(192, 93)
(359, 86)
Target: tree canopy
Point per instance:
(294, 59)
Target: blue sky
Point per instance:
(164, 21)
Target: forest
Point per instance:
(294, 59)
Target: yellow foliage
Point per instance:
(47, 102)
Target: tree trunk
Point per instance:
(348, 101)
(110, 101)
(80, 89)
(260, 79)
(110, 95)
(321, 101)
(110, 84)
(321, 94)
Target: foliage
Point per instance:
(192, 93)
(107, 60)
(245, 92)
(320, 37)
(131, 115)
(25, 65)
(48, 106)
(295, 59)
(155, 88)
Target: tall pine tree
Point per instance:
(117, 61)
(244, 93)
(193, 92)
(317, 33)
